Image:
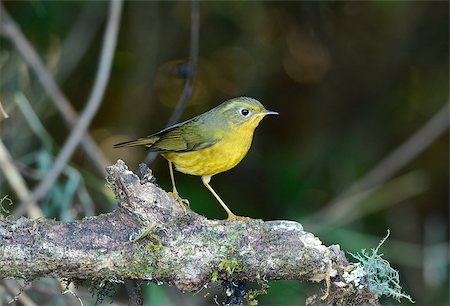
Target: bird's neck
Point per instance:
(246, 129)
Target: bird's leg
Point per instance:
(181, 201)
(172, 178)
(231, 216)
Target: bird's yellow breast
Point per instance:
(220, 157)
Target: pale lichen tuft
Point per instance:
(376, 272)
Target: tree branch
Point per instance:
(3, 114)
(150, 237)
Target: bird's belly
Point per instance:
(220, 157)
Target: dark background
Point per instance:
(351, 81)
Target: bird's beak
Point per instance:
(268, 112)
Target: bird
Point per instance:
(208, 144)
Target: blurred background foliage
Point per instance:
(351, 81)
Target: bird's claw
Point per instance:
(183, 202)
(233, 217)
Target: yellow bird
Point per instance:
(208, 144)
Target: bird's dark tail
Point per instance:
(146, 141)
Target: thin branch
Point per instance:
(79, 39)
(387, 168)
(3, 114)
(193, 59)
(150, 237)
(18, 293)
(35, 124)
(134, 293)
(397, 190)
(9, 28)
(74, 294)
(94, 101)
(16, 181)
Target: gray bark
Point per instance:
(150, 237)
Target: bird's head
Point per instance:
(243, 112)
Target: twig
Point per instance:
(396, 190)
(33, 120)
(406, 152)
(17, 182)
(79, 39)
(74, 294)
(94, 101)
(18, 293)
(193, 58)
(9, 28)
(134, 293)
(3, 114)
(388, 166)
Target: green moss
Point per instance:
(253, 294)
(154, 242)
(148, 260)
(14, 270)
(139, 264)
(230, 266)
(214, 275)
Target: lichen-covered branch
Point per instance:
(150, 237)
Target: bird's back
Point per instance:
(191, 135)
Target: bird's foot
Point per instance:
(233, 217)
(183, 202)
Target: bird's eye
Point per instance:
(245, 112)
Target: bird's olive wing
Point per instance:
(185, 137)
